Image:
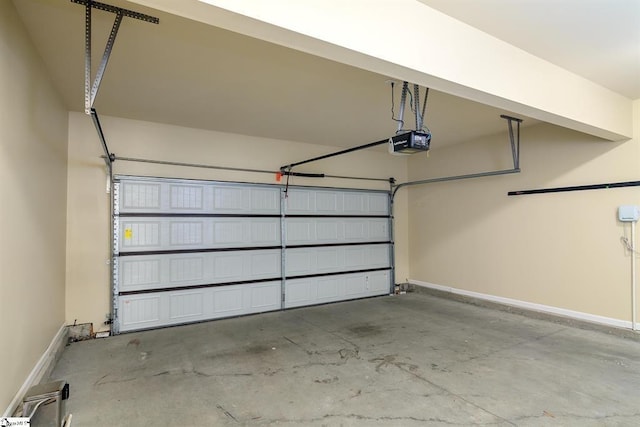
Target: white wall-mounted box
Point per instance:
(628, 213)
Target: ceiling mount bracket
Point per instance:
(514, 139)
(91, 90)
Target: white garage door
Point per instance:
(337, 245)
(187, 251)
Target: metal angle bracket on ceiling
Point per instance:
(514, 140)
(91, 90)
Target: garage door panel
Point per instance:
(355, 285)
(186, 305)
(300, 262)
(140, 235)
(157, 234)
(146, 272)
(300, 231)
(336, 245)
(356, 203)
(311, 231)
(329, 231)
(229, 232)
(265, 297)
(329, 259)
(317, 260)
(336, 202)
(140, 196)
(228, 300)
(139, 311)
(356, 230)
(264, 264)
(299, 202)
(186, 198)
(265, 201)
(186, 269)
(265, 232)
(378, 229)
(379, 283)
(230, 199)
(246, 200)
(320, 290)
(140, 272)
(328, 202)
(174, 196)
(378, 204)
(328, 288)
(300, 291)
(189, 251)
(186, 233)
(147, 311)
(228, 266)
(355, 256)
(377, 255)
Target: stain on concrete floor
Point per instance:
(412, 360)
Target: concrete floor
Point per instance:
(410, 360)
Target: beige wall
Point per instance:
(88, 204)
(561, 250)
(33, 158)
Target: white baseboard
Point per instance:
(593, 318)
(41, 369)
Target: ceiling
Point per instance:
(597, 39)
(191, 74)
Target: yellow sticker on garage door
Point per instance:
(128, 233)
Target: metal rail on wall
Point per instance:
(604, 186)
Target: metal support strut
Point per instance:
(514, 140)
(91, 90)
(108, 157)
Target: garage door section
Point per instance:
(337, 245)
(192, 251)
(188, 251)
